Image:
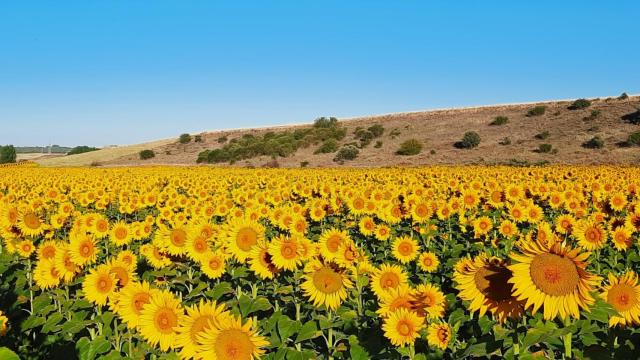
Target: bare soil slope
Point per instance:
(438, 131)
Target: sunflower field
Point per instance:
(417, 263)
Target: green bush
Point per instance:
(329, 146)
(410, 147)
(595, 142)
(81, 149)
(197, 138)
(623, 96)
(184, 139)
(377, 130)
(634, 139)
(543, 135)
(545, 148)
(325, 122)
(304, 163)
(147, 154)
(470, 140)
(580, 104)
(499, 120)
(537, 110)
(346, 153)
(378, 144)
(7, 154)
(222, 139)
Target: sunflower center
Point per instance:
(288, 251)
(592, 235)
(427, 261)
(86, 249)
(246, 238)
(214, 263)
(32, 221)
(199, 325)
(405, 249)
(233, 344)
(554, 275)
(422, 211)
(48, 252)
(622, 296)
(121, 233)
(404, 328)
(200, 245)
(334, 243)
(389, 280)
(166, 320)
(492, 281)
(178, 237)
(443, 335)
(327, 281)
(104, 284)
(139, 301)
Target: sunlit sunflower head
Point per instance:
(30, 223)
(9, 216)
(618, 201)
(99, 285)
(439, 335)
(428, 301)
(484, 283)
(173, 239)
(402, 327)
(231, 340)
(83, 249)
(242, 236)
(325, 283)
(47, 250)
(132, 299)
(591, 235)
(564, 224)
(395, 299)
(197, 246)
(405, 249)
(622, 238)
(160, 319)
(46, 275)
(348, 254)
(482, 226)
(330, 241)
(386, 278)
(261, 263)
(64, 264)
(154, 255)
(623, 293)
(286, 252)
(4, 324)
(428, 261)
(122, 271)
(554, 278)
(383, 232)
(199, 318)
(120, 234)
(25, 248)
(212, 264)
(129, 258)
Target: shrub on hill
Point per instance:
(410, 147)
(623, 96)
(329, 146)
(147, 154)
(470, 140)
(365, 136)
(580, 104)
(595, 142)
(81, 149)
(7, 154)
(545, 148)
(537, 110)
(184, 139)
(499, 120)
(543, 135)
(634, 139)
(346, 153)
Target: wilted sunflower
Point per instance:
(405, 249)
(439, 335)
(484, 282)
(553, 277)
(231, 340)
(325, 283)
(199, 318)
(159, 320)
(402, 327)
(623, 293)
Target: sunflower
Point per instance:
(129, 258)
(482, 226)
(64, 264)
(421, 212)
(405, 249)
(590, 235)
(508, 229)
(330, 241)
(260, 261)
(395, 299)
(484, 282)
(387, 278)
(428, 261)
(25, 248)
(30, 223)
(231, 340)
(47, 250)
(285, 252)
(383, 232)
(213, 264)
(564, 224)
(46, 275)
(197, 246)
(160, 319)
(325, 284)
(622, 238)
(439, 335)
(122, 271)
(173, 239)
(132, 299)
(99, 285)
(553, 277)
(83, 249)
(623, 293)
(242, 236)
(402, 327)
(154, 256)
(199, 318)
(120, 234)
(4, 324)
(428, 301)
(348, 254)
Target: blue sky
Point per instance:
(118, 72)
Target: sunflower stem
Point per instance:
(30, 278)
(567, 339)
(330, 335)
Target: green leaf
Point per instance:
(219, 290)
(72, 326)
(39, 303)
(6, 354)
(52, 322)
(287, 327)
(82, 347)
(99, 346)
(600, 311)
(356, 351)
(32, 322)
(308, 331)
(81, 304)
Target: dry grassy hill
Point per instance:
(438, 131)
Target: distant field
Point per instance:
(37, 156)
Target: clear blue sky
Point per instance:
(125, 71)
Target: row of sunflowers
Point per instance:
(205, 263)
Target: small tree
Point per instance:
(184, 139)
(580, 104)
(7, 154)
(623, 96)
(346, 153)
(410, 147)
(147, 154)
(470, 140)
(81, 149)
(329, 146)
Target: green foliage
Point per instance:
(545, 148)
(580, 104)
(543, 135)
(623, 96)
(470, 140)
(329, 146)
(537, 111)
(634, 139)
(365, 136)
(197, 138)
(377, 130)
(499, 120)
(147, 154)
(184, 139)
(7, 154)
(378, 144)
(410, 147)
(222, 139)
(304, 163)
(346, 153)
(325, 123)
(595, 142)
(81, 149)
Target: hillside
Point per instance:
(564, 129)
